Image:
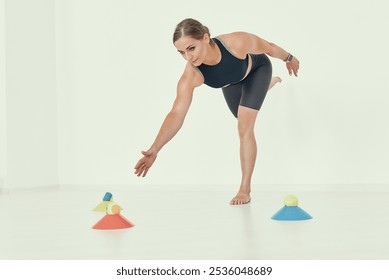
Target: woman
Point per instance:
(237, 63)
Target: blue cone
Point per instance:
(107, 196)
(291, 213)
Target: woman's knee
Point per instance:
(246, 122)
(246, 131)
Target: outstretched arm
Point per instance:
(170, 126)
(175, 118)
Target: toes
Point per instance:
(235, 201)
(239, 200)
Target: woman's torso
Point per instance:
(231, 69)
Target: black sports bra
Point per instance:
(229, 70)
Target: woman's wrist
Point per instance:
(154, 149)
(288, 58)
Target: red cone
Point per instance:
(116, 221)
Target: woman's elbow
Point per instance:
(270, 50)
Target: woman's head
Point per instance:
(191, 28)
(192, 39)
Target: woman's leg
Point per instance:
(232, 95)
(254, 89)
(248, 152)
(273, 81)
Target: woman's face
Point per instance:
(193, 50)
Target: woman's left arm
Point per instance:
(251, 44)
(292, 63)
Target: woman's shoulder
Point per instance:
(236, 42)
(233, 36)
(191, 76)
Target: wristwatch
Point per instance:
(289, 58)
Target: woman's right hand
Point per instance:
(144, 164)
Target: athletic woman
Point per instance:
(237, 63)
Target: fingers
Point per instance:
(293, 67)
(297, 67)
(143, 165)
(137, 171)
(293, 70)
(146, 170)
(142, 170)
(139, 163)
(138, 166)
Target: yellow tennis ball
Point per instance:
(113, 208)
(291, 200)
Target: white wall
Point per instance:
(31, 102)
(117, 73)
(116, 77)
(2, 98)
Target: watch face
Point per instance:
(290, 57)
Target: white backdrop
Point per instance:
(117, 70)
(28, 94)
(2, 96)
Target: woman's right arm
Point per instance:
(173, 121)
(175, 118)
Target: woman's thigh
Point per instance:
(255, 87)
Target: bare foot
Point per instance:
(241, 198)
(273, 81)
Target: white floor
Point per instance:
(189, 222)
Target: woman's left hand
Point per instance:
(293, 66)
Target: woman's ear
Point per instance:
(206, 38)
